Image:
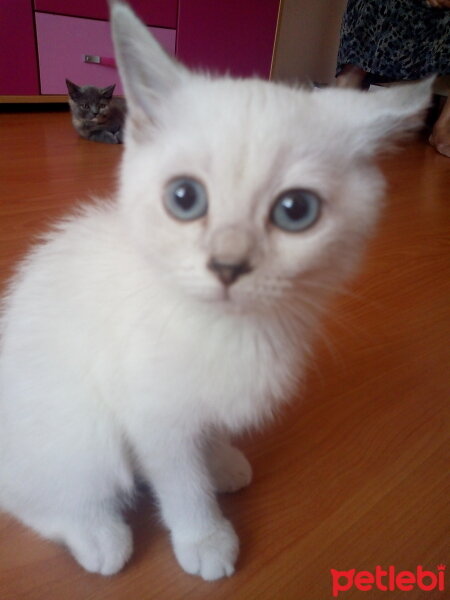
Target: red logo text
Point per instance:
(388, 580)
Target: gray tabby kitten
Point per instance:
(96, 115)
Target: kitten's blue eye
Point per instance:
(295, 210)
(186, 199)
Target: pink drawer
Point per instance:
(160, 13)
(63, 42)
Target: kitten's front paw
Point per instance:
(229, 469)
(106, 137)
(212, 556)
(102, 549)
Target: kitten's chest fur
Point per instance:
(229, 370)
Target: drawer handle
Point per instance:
(99, 60)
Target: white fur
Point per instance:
(121, 353)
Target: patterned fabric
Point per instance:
(395, 39)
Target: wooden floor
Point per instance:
(355, 474)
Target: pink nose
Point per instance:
(228, 273)
(231, 251)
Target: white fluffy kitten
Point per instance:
(145, 329)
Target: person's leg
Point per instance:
(351, 76)
(440, 136)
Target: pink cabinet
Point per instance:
(235, 36)
(18, 62)
(45, 41)
(63, 42)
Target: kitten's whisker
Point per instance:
(342, 290)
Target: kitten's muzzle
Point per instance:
(227, 273)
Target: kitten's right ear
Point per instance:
(107, 92)
(148, 74)
(73, 89)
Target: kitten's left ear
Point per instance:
(148, 74)
(370, 120)
(107, 92)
